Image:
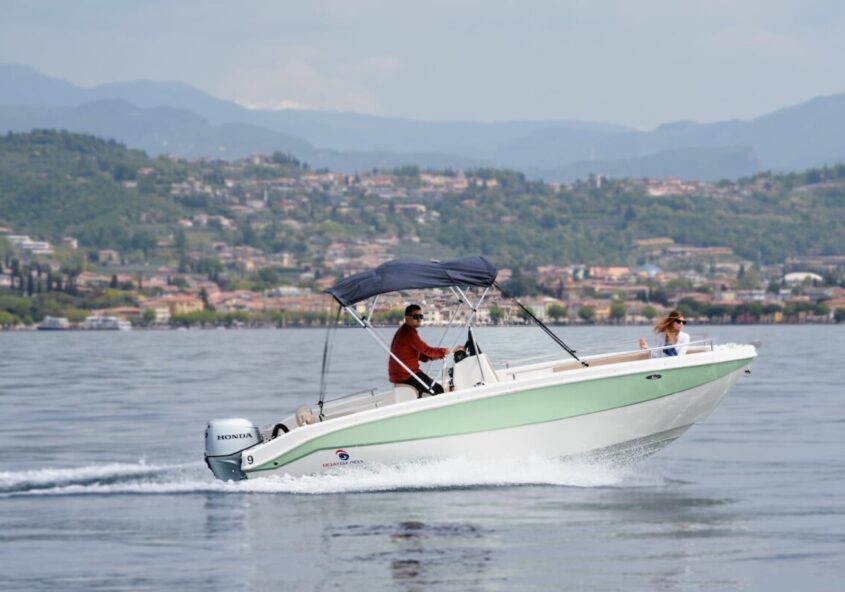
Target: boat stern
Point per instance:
(225, 441)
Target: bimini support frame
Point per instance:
(408, 274)
(542, 325)
(365, 322)
(327, 354)
(468, 325)
(369, 329)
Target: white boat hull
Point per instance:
(636, 430)
(629, 408)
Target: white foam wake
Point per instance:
(142, 478)
(13, 482)
(459, 473)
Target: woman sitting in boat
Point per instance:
(674, 341)
(409, 347)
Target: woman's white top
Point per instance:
(666, 349)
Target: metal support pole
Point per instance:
(385, 347)
(372, 309)
(474, 309)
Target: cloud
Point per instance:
(640, 62)
(380, 65)
(283, 105)
(301, 81)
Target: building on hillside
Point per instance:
(609, 273)
(819, 264)
(126, 313)
(161, 312)
(176, 304)
(23, 242)
(106, 256)
(88, 280)
(796, 278)
(647, 271)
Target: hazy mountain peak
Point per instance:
(21, 85)
(195, 123)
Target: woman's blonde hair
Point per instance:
(665, 324)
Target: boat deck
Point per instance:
(487, 374)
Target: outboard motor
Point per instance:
(225, 439)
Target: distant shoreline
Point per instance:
(35, 329)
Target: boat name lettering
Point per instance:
(343, 463)
(233, 436)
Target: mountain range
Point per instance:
(174, 118)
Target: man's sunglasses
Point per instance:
(418, 317)
(680, 321)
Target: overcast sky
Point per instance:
(634, 62)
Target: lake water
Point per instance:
(103, 486)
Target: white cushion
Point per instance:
(403, 393)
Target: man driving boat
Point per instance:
(409, 347)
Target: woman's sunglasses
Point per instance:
(680, 321)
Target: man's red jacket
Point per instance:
(409, 347)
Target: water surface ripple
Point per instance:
(102, 484)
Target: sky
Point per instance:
(632, 62)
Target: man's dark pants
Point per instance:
(435, 387)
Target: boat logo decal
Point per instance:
(233, 436)
(343, 460)
(654, 377)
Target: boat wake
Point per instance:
(139, 477)
(458, 473)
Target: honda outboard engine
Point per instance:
(225, 439)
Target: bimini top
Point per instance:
(410, 274)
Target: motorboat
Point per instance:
(625, 403)
(49, 323)
(106, 323)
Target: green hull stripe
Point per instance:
(510, 410)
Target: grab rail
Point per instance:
(598, 349)
(544, 363)
(371, 392)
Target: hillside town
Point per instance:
(181, 284)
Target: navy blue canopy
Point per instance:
(410, 274)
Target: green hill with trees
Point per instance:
(271, 220)
(57, 184)
(763, 219)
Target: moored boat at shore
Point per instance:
(54, 324)
(106, 323)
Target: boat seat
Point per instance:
(402, 393)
